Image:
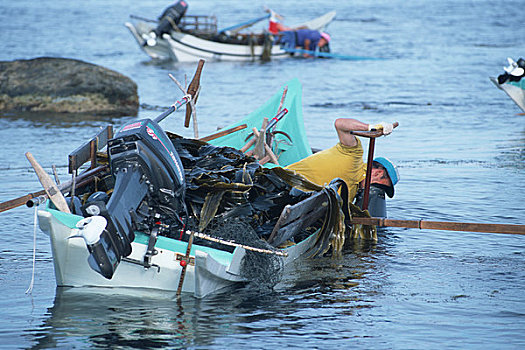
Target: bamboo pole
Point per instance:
(184, 263)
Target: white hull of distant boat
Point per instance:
(189, 48)
(184, 47)
(515, 90)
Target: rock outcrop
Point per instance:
(63, 85)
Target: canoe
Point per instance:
(514, 89)
(171, 264)
(189, 44)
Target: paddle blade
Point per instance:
(192, 90)
(49, 186)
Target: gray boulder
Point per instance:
(64, 85)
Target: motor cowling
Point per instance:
(148, 172)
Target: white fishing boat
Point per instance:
(90, 250)
(197, 37)
(515, 90)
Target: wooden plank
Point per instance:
(222, 133)
(295, 218)
(87, 152)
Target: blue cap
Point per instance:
(393, 174)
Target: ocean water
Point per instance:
(459, 149)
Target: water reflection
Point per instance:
(83, 317)
(105, 318)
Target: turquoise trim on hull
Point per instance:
(70, 220)
(175, 245)
(520, 84)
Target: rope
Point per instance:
(35, 221)
(234, 244)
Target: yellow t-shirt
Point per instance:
(338, 161)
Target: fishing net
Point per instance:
(263, 270)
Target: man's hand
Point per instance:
(384, 126)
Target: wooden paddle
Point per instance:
(50, 187)
(442, 225)
(192, 90)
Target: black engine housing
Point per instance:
(148, 174)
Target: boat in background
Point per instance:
(171, 263)
(515, 90)
(188, 38)
(512, 82)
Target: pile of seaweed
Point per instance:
(223, 184)
(231, 197)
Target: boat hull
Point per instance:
(184, 47)
(160, 52)
(515, 90)
(70, 257)
(189, 48)
(210, 270)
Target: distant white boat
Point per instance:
(515, 90)
(197, 38)
(513, 81)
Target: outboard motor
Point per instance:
(376, 200)
(149, 178)
(171, 16)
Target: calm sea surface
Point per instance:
(459, 148)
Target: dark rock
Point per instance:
(63, 85)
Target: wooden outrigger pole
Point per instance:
(443, 225)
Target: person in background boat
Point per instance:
(307, 39)
(300, 37)
(514, 72)
(345, 161)
(169, 20)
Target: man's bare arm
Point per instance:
(343, 126)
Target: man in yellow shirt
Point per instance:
(345, 160)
